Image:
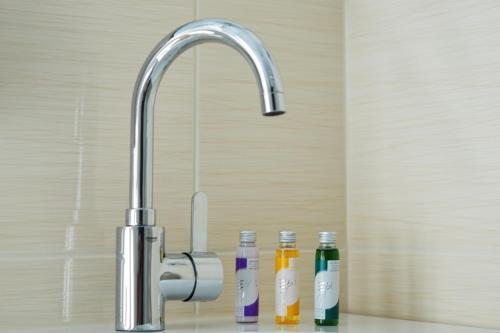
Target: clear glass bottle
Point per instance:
(326, 281)
(247, 279)
(287, 302)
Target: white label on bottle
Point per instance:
(287, 288)
(319, 313)
(326, 289)
(247, 287)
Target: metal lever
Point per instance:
(199, 222)
(208, 267)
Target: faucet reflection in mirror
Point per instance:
(146, 275)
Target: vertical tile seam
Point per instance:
(196, 117)
(196, 126)
(346, 148)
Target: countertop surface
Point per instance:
(350, 323)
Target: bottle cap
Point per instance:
(249, 236)
(287, 236)
(327, 237)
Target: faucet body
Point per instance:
(146, 274)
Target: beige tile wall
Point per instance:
(68, 71)
(423, 82)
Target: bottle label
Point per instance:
(326, 289)
(247, 287)
(287, 290)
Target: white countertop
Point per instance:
(350, 323)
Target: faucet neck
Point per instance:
(141, 163)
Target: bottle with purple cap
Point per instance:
(247, 279)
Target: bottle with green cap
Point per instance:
(326, 281)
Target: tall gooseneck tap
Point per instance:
(146, 275)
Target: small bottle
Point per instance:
(247, 279)
(286, 280)
(326, 281)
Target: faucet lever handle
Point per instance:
(199, 217)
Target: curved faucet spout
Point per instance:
(266, 72)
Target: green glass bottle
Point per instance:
(326, 281)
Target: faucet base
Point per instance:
(142, 328)
(139, 302)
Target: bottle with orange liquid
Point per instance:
(286, 280)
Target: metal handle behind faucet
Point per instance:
(199, 222)
(197, 275)
(208, 266)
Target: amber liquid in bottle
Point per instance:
(286, 281)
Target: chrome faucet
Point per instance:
(147, 276)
